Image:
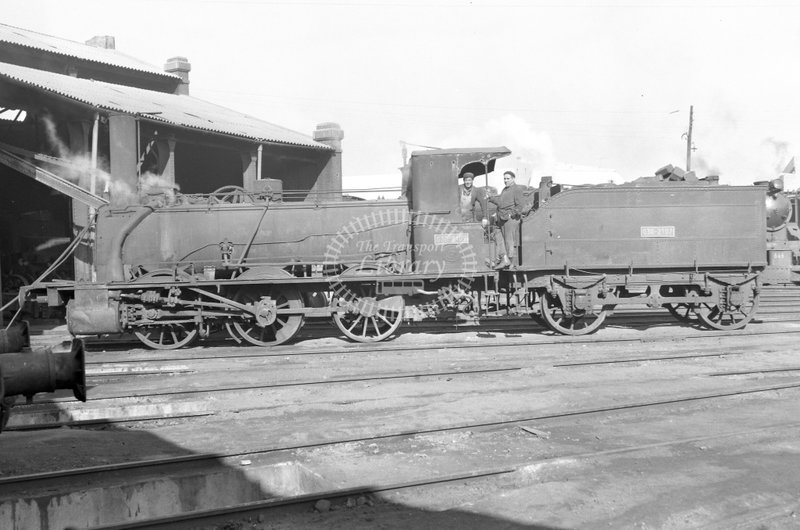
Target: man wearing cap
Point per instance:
(469, 195)
(510, 204)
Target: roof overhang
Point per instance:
(476, 160)
(177, 110)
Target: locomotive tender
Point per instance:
(258, 265)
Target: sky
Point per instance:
(585, 91)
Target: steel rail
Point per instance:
(755, 372)
(78, 423)
(298, 383)
(286, 351)
(115, 375)
(645, 359)
(240, 509)
(377, 378)
(142, 464)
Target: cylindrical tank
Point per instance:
(40, 371)
(779, 209)
(44, 371)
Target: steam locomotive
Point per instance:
(783, 236)
(256, 264)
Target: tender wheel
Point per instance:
(268, 328)
(683, 312)
(368, 319)
(535, 314)
(536, 317)
(577, 324)
(169, 335)
(736, 316)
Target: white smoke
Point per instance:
(743, 161)
(78, 168)
(780, 153)
(742, 146)
(150, 183)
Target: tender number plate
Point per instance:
(657, 231)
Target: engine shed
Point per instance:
(82, 125)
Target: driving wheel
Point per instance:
(269, 326)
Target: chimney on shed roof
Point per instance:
(102, 41)
(179, 66)
(329, 181)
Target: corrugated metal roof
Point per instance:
(183, 111)
(78, 50)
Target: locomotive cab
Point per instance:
(442, 241)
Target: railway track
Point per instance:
(513, 352)
(187, 402)
(105, 359)
(50, 414)
(205, 517)
(131, 472)
(20, 479)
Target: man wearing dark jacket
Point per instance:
(510, 204)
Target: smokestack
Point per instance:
(181, 67)
(102, 41)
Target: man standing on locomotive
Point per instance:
(510, 204)
(469, 195)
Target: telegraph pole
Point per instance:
(689, 139)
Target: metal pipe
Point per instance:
(116, 269)
(138, 151)
(258, 163)
(93, 175)
(253, 237)
(689, 139)
(41, 371)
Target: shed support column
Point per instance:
(166, 159)
(122, 151)
(79, 145)
(249, 169)
(329, 182)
